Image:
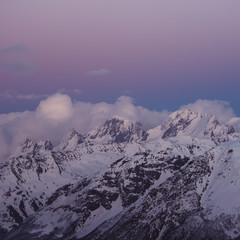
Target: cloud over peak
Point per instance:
(56, 115)
(57, 108)
(220, 109)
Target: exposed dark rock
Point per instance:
(15, 215)
(60, 191)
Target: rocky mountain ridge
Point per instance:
(178, 181)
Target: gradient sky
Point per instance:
(164, 54)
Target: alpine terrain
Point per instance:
(180, 180)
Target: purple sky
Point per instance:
(164, 54)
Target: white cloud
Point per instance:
(57, 108)
(99, 72)
(235, 122)
(57, 115)
(220, 109)
(88, 115)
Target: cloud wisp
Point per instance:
(18, 66)
(99, 72)
(13, 96)
(69, 91)
(19, 47)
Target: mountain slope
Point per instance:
(178, 181)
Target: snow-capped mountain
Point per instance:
(187, 123)
(118, 130)
(177, 181)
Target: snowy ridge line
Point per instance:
(119, 181)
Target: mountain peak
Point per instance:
(73, 133)
(48, 145)
(72, 139)
(184, 113)
(27, 145)
(117, 117)
(186, 122)
(119, 130)
(178, 121)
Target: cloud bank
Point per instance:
(57, 115)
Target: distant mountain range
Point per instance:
(180, 180)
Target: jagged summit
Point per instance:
(126, 120)
(184, 113)
(178, 122)
(185, 122)
(29, 146)
(118, 130)
(72, 139)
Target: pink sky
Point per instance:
(150, 48)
